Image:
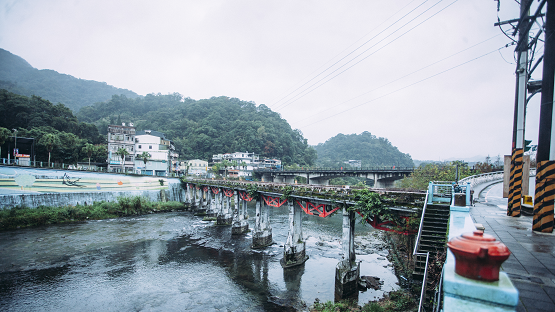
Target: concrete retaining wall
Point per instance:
(174, 192)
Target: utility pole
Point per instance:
(545, 157)
(517, 152)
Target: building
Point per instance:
(197, 167)
(121, 137)
(245, 163)
(161, 150)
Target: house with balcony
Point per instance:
(121, 137)
(161, 150)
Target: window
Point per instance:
(140, 146)
(150, 147)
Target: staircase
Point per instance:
(433, 239)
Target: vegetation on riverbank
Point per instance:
(420, 177)
(399, 300)
(19, 217)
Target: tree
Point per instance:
(4, 135)
(226, 163)
(145, 156)
(122, 152)
(88, 149)
(420, 177)
(50, 140)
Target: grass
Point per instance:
(20, 217)
(400, 300)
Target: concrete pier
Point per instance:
(240, 225)
(347, 271)
(262, 235)
(294, 250)
(224, 216)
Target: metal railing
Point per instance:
(421, 225)
(483, 178)
(437, 297)
(424, 281)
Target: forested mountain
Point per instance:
(35, 117)
(18, 76)
(369, 149)
(200, 129)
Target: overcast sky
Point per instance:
(426, 75)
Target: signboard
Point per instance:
(15, 151)
(23, 155)
(115, 162)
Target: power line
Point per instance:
(354, 49)
(301, 96)
(414, 72)
(410, 85)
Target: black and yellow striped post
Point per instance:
(545, 197)
(515, 183)
(545, 156)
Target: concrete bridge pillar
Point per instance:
(239, 225)
(347, 271)
(188, 198)
(224, 216)
(262, 235)
(294, 249)
(211, 211)
(196, 199)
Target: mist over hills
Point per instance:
(199, 128)
(20, 77)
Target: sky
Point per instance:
(434, 77)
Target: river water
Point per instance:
(177, 262)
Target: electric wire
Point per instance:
(414, 72)
(302, 95)
(408, 86)
(288, 94)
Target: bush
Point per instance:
(43, 215)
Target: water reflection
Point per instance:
(172, 262)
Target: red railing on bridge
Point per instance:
(245, 196)
(228, 192)
(317, 210)
(379, 225)
(274, 201)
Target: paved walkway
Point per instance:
(531, 265)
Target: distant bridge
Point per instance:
(383, 177)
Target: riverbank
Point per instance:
(21, 217)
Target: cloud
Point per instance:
(262, 50)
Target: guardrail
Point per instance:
(391, 168)
(487, 177)
(423, 290)
(421, 225)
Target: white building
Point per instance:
(161, 150)
(121, 137)
(246, 163)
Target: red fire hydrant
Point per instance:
(478, 256)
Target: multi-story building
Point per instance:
(161, 150)
(121, 137)
(197, 167)
(246, 163)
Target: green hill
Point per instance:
(200, 129)
(369, 149)
(18, 76)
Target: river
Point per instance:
(177, 262)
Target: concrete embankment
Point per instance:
(174, 192)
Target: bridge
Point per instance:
(383, 177)
(213, 198)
